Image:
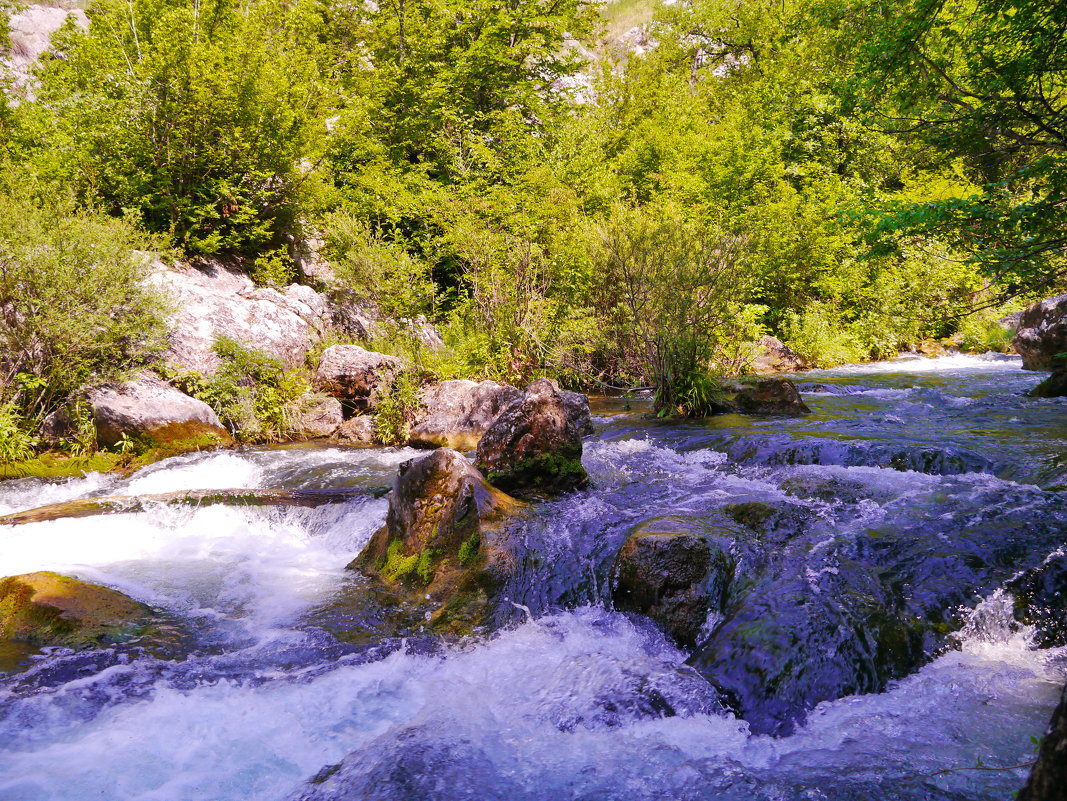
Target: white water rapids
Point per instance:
(263, 704)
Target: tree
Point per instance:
(191, 115)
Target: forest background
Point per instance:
(622, 194)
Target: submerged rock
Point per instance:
(1041, 600)
(458, 413)
(354, 374)
(672, 575)
(535, 444)
(440, 540)
(49, 609)
(1048, 777)
(1042, 333)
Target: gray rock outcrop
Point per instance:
(1042, 333)
(358, 430)
(535, 444)
(456, 414)
(212, 300)
(352, 373)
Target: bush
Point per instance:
(396, 408)
(668, 295)
(251, 392)
(74, 306)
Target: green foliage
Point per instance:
(74, 306)
(190, 116)
(251, 391)
(274, 268)
(16, 443)
(469, 550)
(395, 408)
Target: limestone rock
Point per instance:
(30, 34)
(663, 573)
(146, 408)
(458, 413)
(1048, 777)
(352, 373)
(212, 300)
(320, 416)
(1042, 333)
(358, 430)
(776, 357)
(535, 444)
(50, 609)
(439, 541)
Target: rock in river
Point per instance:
(440, 539)
(50, 609)
(458, 413)
(535, 444)
(354, 374)
(1042, 333)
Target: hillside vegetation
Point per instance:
(848, 175)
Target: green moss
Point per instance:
(468, 551)
(545, 471)
(752, 513)
(61, 465)
(397, 566)
(426, 567)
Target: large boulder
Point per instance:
(354, 374)
(50, 609)
(358, 430)
(671, 574)
(441, 539)
(1042, 333)
(775, 357)
(1048, 777)
(456, 414)
(212, 300)
(535, 444)
(145, 409)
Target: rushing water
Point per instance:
(898, 512)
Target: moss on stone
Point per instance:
(543, 471)
(750, 513)
(397, 566)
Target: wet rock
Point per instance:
(671, 574)
(535, 444)
(458, 413)
(146, 409)
(441, 539)
(50, 609)
(931, 349)
(1041, 600)
(1055, 386)
(1042, 333)
(776, 357)
(320, 416)
(358, 430)
(1048, 777)
(770, 395)
(354, 374)
(414, 764)
(212, 300)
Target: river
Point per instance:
(864, 649)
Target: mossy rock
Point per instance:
(49, 609)
(440, 547)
